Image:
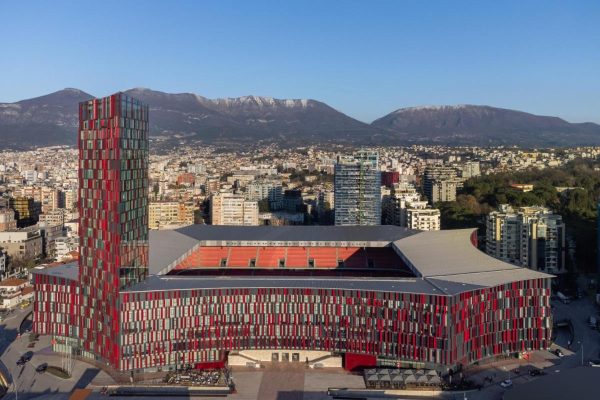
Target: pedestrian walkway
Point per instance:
(282, 382)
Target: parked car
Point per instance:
(536, 372)
(506, 384)
(559, 353)
(42, 368)
(594, 363)
(27, 356)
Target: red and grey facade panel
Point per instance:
(175, 327)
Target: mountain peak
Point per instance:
(484, 125)
(53, 119)
(430, 107)
(71, 90)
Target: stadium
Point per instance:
(371, 295)
(205, 296)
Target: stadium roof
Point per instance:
(168, 246)
(444, 262)
(403, 285)
(448, 256)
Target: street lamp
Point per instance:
(16, 377)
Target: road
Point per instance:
(25, 379)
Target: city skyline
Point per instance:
(363, 60)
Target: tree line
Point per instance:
(577, 204)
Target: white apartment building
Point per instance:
(424, 219)
(405, 208)
(266, 190)
(64, 245)
(233, 209)
(531, 237)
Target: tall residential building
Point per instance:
(233, 209)
(50, 232)
(113, 214)
(405, 208)
(71, 199)
(168, 214)
(440, 183)
(529, 236)
(269, 190)
(358, 189)
(470, 169)
(292, 200)
(395, 205)
(27, 210)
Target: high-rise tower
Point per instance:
(113, 214)
(358, 190)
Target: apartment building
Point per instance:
(169, 214)
(440, 183)
(233, 209)
(22, 243)
(424, 219)
(7, 219)
(531, 237)
(357, 186)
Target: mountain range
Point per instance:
(52, 120)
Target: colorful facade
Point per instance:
(376, 295)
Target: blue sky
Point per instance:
(363, 58)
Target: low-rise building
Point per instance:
(424, 219)
(14, 291)
(7, 219)
(22, 243)
(65, 246)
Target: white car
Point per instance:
(506, 384)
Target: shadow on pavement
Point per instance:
(297, 395)
(87, 378)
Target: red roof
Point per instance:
(13, 282)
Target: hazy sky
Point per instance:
(363, 58)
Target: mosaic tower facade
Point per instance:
(113, 210)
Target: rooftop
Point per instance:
(11, 282)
